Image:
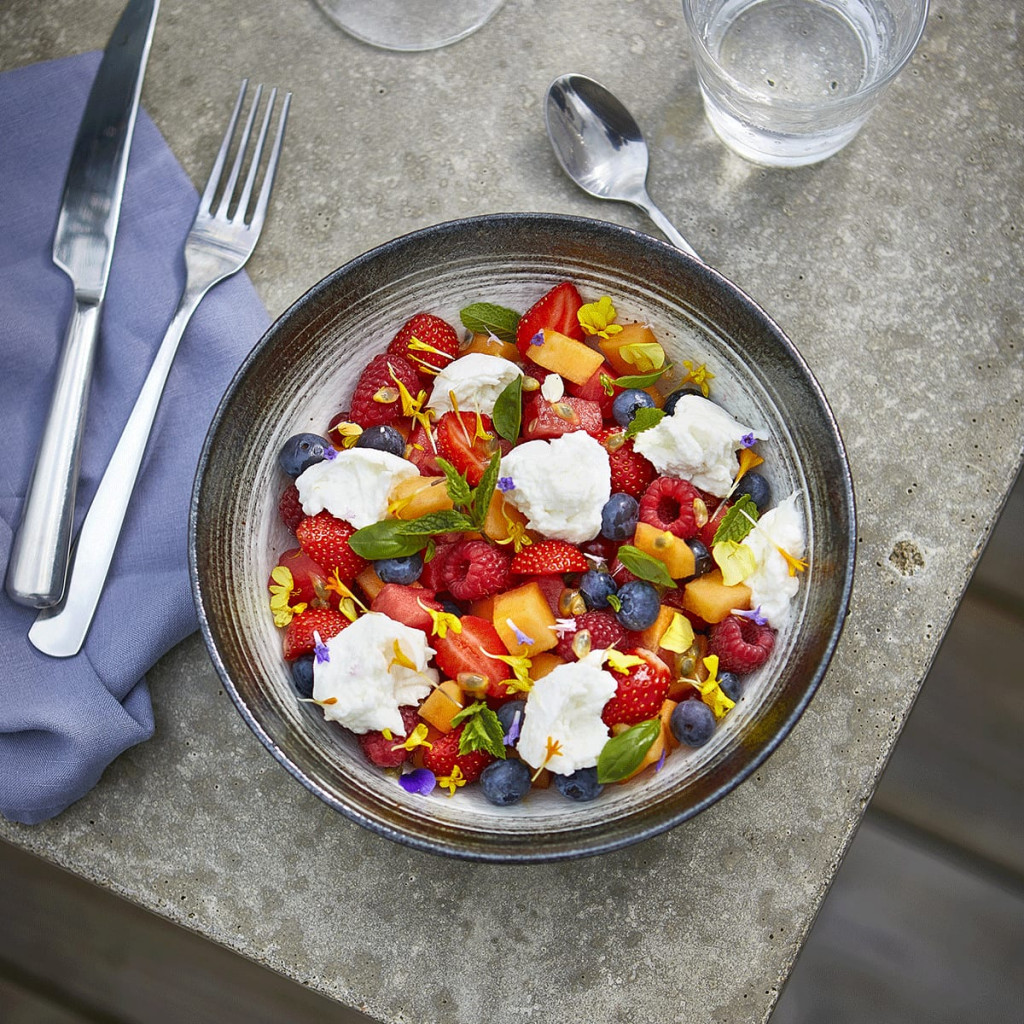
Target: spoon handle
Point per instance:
(666, 226)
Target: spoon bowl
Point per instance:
(601, 147)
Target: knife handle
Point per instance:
(37, 568)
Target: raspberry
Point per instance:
(669, 504)
(376, 399)
(741, 644)
(473, 569)
(430, 331)
(594, 632)
(379, 750)
(289, 508)
(631, 471)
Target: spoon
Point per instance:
(600, 146)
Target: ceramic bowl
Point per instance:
(303, 371)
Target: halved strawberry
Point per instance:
(631, 471)
(421, 452)
(467, 651)
(641, 690)
(459, 442)
(438, 344)
(444, 755)
(325, 540)
(298, 635)
(549, 556)
(309, 580)
(556, 310)
(542, 418)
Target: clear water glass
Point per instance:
(790, 82)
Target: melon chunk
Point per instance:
(525, 609)
(443, 705)
(565, 356)
(663, 742)
(708, 597)
(419, 495)
(543, 663)
(489, 345)
(639, 335)
(672, 551)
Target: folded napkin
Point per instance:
(62, 721)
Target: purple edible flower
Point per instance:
(661, 761)
(537, 339)
(419, 780)
(320, 649)
(748, 440)
(330, 454)
(756, 615)
(505, 484)
(513, 730)
(521, 637)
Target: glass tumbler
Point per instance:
(790, 82)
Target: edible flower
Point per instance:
(452, 782)
(521, 638)
(401, 658)
(711, 691)
(320, 649)
(513, 730)
(661, 761)
(415, 345)
(748, 459)
(517, 535)
(538, 339)
(417, 738)
(699, 376)
(348, 432)
(596, 318)
(441, 622)
(419, 780)
(748, 440)
(553, 388)
(754, 614)
(679, 635)
(644, 355)
(282, 587)
(563, 626)
(347, 599)
(506, 484)
(736, 560)
(552, 748)
(520, 665)
(619, 662)
(795, 564)
(412, 407)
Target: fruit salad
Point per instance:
(531, 554)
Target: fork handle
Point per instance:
(60, 632)
(38, 564)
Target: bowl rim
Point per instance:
(446, 845)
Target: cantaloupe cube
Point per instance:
(541, 664)
(525, 609)
(708, 597)
(631, 334)
(491, 346)
(442, 705)
(499, 514)
(369, 582)
(572, 359)
(543, 780)
(419, 495)
(672, 551)
(651, 636)
(664, 741)
(483, 607)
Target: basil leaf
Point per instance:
(483, 731)
(641, 380)
(622, 754)
(646, 566)
(484, 491)
(386, 539)
(643, 420)
(458, 487)
(735, 525)
(507, 415)
(487, 318)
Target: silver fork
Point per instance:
(217, 246)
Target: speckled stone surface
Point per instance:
(895, 267)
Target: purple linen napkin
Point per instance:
(62, 721)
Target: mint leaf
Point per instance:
(483, 731)
(484, 491)
(646, 566)
(445, 521)
(641, 380)
(622, 754)
(643, 420)
(386, 539)
(487, 318)
(507, 415)
(458, 487)
(735, 524)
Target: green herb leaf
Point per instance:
(507, 415)
(643, 420)
(622, 754)
(735, 524)
(487, 318)
(386, 539)
(483, 731)
(484, 491)
(646, 566)
(614, 603)
(641, 380)
(607, 384)
(445, 521)
(457, 486)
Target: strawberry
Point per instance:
(641, 691)
(740, 643)
(420, 452)
(631, 471)
(716, 511)
(674, 505)
(444, 755)
(458, 441)
(325, 540)
(376, 399)
(542, 418)
(289, 508)
(595, 631)
(431, 330)
(309, 581)
(379, 750)
(298, 635)
(474, 569)
(407, 605)
(556, 310)
(468, 650)
(549, 556)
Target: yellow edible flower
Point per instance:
(620, 662)
(737, 561)
(644, 355)
(282, 587)
(699, 375)
(401, 658)
(520, 665)
(795, 564)
(679, 635)
(415, 345)
(517, 536)
(348, 432)
(596, 318)
(441, 622)
(412, 407)
(552, 748)
(711, 691)
(417, 738)
(452, 782)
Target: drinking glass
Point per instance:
(790, 82)
(410, 24)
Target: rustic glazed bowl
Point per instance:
(303, 371)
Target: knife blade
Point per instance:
(83, 247)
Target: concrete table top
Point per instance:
(895, 267)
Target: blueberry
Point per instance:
(673, 399)
(405, 569)
(640, 605)
(619, 517)
(703, 563)
(581, 785)
(731, 685)
(505, 782)
(507, 713)
(301, 451)
(692, 723)
(302, 675)
(383, 439)
(596, 587)
(757, 487)
(449, 606)
(626, 404)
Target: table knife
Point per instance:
(82, 247)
